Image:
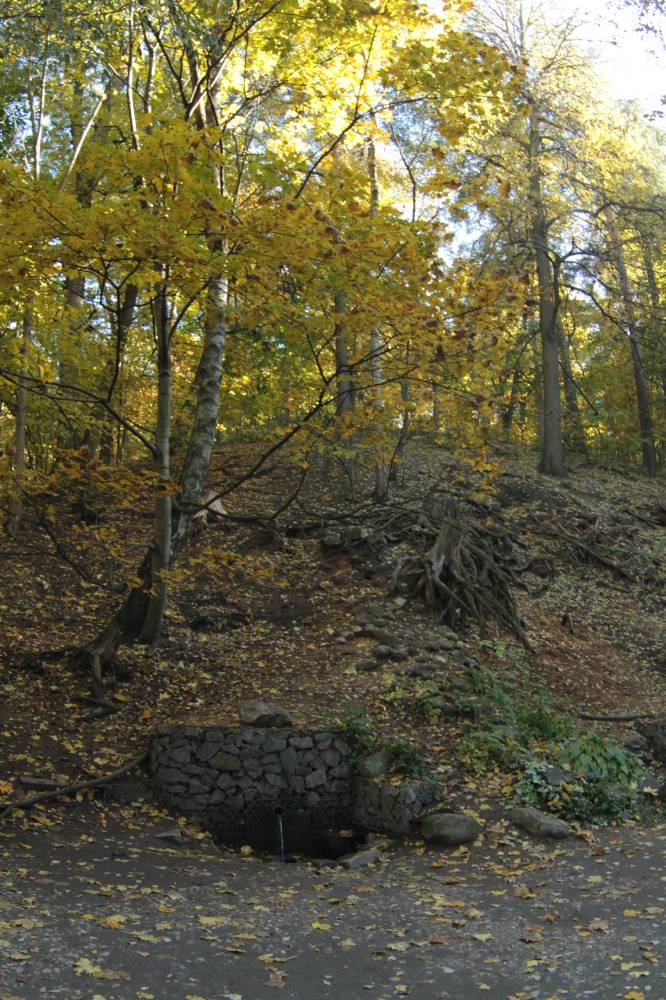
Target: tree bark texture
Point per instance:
(552, 451)
(643, 401)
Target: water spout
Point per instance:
(278, 813)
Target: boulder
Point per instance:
(383, 635)
(174, 835)
(653, 786)
(259, 713)
(539, 824)
(389, 653)
(556, 776)
(636, 743)
(655, 734)
(450, 829)
(374, 766)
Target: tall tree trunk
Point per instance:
(552, 451)
(20, 427)
(643, 401)
(161, 547)
(132, 616)
(75, 436)
(510, 408)
(573, 421)
(657, 322)
(537, 387)
(344, 403)
(376, 347)
(124, 320)
(405, 423)
(436, 407)
(204, 425)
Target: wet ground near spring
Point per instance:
(116, 914)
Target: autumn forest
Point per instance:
(307, 306)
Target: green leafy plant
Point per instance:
(361, 735)
(593, 779)
(488, 748)
(406, 758)
(538, 719)
(427, 703)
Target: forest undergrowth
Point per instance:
(306, 611)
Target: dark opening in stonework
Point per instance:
(289, 830)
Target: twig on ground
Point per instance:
(75, 787)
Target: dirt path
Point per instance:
(115, 913)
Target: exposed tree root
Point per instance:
(75, 787)
(466, 575)
(98, 656)
(614, 718)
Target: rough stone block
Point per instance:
(180, 755)
(302, 742)
(273, 744)
(289, 760)
(196, 786)
(260, 713)
(168, 775)
(450, 829)
(276, 780)
(207, 750)
(315, 778)
(225, 762)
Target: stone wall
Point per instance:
(391, 808)
(250, 784)
(236, 780)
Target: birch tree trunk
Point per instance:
(376, 346)
(204, 424)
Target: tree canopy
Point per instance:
(329, 224)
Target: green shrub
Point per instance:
(406, 758)
(361, 735)
(489, 748)
(538, 719)
(605, 780)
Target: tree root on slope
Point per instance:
(465, 576)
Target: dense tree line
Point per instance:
(322, 222)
